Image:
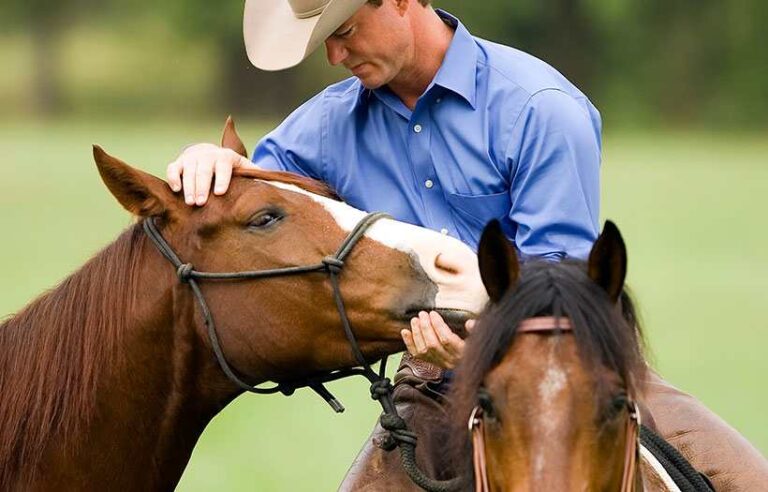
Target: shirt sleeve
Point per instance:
(554, 157)
(296, 145)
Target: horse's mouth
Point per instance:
(454, 318)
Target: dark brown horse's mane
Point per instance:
(53, 352)
(308, 184)
(605, 336)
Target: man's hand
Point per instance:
(196, 167)
(432, 340)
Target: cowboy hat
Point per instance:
(281, 33)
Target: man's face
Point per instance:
(374, 44)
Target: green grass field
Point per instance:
(691, 207)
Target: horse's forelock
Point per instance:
(604, 338)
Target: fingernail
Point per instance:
(189, 199)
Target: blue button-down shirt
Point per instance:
(497, 134)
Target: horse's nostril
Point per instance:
(443, 263)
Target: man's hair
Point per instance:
(377, 3)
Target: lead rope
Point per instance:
(381, 386)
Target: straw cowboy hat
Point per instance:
(281, 33)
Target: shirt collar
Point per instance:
(458, 72)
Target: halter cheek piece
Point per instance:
(381, 386)
(331, 265)
(546, 326)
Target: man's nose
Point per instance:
(335, 51)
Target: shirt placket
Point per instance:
(430, 189)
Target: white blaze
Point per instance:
(550, 387)
(462, 289)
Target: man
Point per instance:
(436, 127)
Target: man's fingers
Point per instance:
(203, 179)
(470, 325)
(408, 339)
(418, 337)
(244, 162)
(223, 177)
(451, 342)
(431, 338)
(173, 174)
(189, 171)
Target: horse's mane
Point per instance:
(53, 352)
(605, 335)
(308, 184)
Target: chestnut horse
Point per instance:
(108, 380)
(552, 374)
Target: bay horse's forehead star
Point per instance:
(449, 263)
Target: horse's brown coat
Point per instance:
(108, 380)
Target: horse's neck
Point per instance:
(153, 403)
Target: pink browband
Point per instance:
(544, 324)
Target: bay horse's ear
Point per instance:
(499, 266)
(140, 193)
(231, 140)
(607, 265)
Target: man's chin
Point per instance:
(371, 83)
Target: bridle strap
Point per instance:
(543, 326)
(332, 265)
(478, 450)
(632, 450)
(381, 387)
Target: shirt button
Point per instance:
(439, 100)
(444, 232)
(417, 128)
(429, 184)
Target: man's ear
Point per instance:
(140, 193)
(231, 140)
(607, 265)
(499, 266)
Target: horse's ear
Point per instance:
(499, 266)
(607, 265)
(231, 140)
(140, 193)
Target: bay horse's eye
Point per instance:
(619, 403)
(264, 219)
(486, 403)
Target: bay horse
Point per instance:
(108, 380)
(552, 375)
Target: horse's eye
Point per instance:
(264, 219)
(619, 403)
(486, 403)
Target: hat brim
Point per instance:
(275, 39)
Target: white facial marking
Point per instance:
(550, 387)
(457, 290)
(385, 231)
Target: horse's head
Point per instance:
(554, 402)
(287, 327)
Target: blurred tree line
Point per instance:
(700, 62)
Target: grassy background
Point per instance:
(691, 207)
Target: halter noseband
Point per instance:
(332, 265)
(545, 326)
